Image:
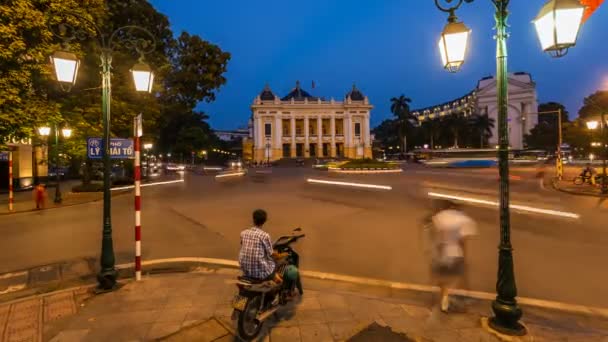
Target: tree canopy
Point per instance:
(188, 70)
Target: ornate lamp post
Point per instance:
(593, 125)
(559, 17)
(45, 131)
(66, 68)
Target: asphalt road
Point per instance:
(368, 233)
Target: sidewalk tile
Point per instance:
(200, 312)
(24, 321)
(332, 301)
(71, 336)
(309, 303)
(310, 317)
(476, 334)
(343, 330)
(389, 309)
(179, 301)
(338, 315)
(207, 331)
(173, 315)
(58, 306)
(287, 334)
(315, 333)
(449, 336)
(162, 329)
(416, 311)
(405, 324)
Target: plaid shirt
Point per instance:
(255, 257)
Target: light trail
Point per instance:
(149, 184)
(234, 174)
(512, 206)
(355, 185)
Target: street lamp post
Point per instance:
(592, 125)
(66, 67)
(557, 25)
(66, 133)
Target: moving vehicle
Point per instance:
(259, 299)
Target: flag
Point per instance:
(592, 6)
(313, 84)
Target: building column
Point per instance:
(367, 150)
(347, 136)
(278, 137)
(293, 136)
(332, 128)
(320, 136)
(306, 132)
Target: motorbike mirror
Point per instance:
(297, 229)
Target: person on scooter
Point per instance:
(588, 172)
(257, 259)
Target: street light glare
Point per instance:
(558, 24)
(66, 132)
(147, 146)
(45, 131)
(66, 66)
(453, 45)
(143, 77)
(592, 124)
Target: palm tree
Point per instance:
(400, 107)
(482, 125)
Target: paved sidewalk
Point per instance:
(196, 306)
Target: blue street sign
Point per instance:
(119, 148)
(3, 156)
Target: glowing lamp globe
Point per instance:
(453, 45)
(66, 66)
(143, 77)
(558, 24)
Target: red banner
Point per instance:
(592, 6)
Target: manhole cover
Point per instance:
(375, 332)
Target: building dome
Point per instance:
(355, 94)
(298, 94)
(267, 94)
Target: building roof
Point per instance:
(355, 94)
(298, 94)
(267, 94)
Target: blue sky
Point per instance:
(387, 47)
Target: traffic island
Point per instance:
(366, 166)
(568, 186)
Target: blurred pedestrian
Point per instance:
(40, 196)
(540, 174)
(448, 228)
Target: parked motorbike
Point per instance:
(258, 300)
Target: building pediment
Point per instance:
(515, 86)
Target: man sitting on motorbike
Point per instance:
(587, 172)
(257, 258)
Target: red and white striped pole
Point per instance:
(138, 133)
(10, 181)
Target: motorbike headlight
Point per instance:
(239, 164)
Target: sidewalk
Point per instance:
(196, 307)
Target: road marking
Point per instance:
(512, 206)
(355, 185)
(149, 184)
(241, 173)
(395, 285)
(13, 275)
(213, 168)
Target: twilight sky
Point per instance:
(387, 47)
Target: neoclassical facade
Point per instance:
(300, 125)
(523, 107)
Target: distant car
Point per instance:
(234, 164)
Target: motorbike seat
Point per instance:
(250, 280)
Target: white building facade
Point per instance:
(522, 113)
(300, 125)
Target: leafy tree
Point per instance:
(594, 105)
(400, 107)
(482, 125)
(543, 136)
(457, 125)
(387, 133)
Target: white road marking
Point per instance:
(395, 285)
(13, 275)
(512, 206)
(355, 185)
(149, 184)
(13, 288)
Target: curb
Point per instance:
(198, 264)
(113, 194)
(575, 193)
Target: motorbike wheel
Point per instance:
(579, 180)
(248, 325)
